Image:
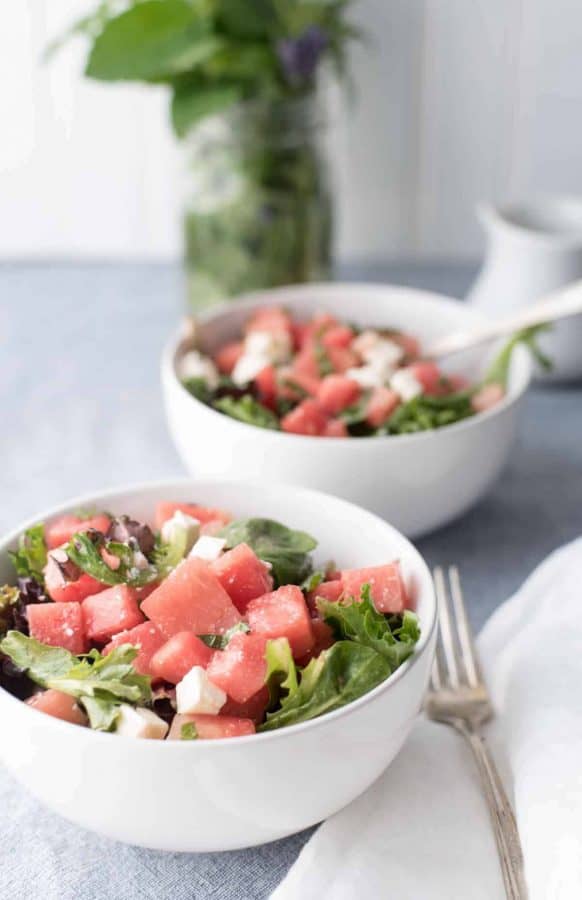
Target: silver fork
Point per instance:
(458, 697)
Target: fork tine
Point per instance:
(446, 628)
(464, 630)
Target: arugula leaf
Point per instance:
(188, 731)
(31, 557)
(152, 40)
(247, 409)
(498, 371)
(336, 677)
(198, 387)
(84, 551)
(9, 597)
(100, 683)
(281, 670)
(359, 621)
(425, 412)
(286, 550)
(221, 641)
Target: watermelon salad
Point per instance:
(194, 626)
(327, 378)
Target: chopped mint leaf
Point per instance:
(100, 683)
(31, 557)
(221, 641)
(336, 677)
(188, 731)
(287, 551)
(359, 621)
(247, 409)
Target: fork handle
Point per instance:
(502, 817)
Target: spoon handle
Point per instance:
(557, 305)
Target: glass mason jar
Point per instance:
(258, 209)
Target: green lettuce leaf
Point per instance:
(85, 553)
(100, 683)
(31, 557)
(287, 551)
(336, 677)
(9, 597)
(167, 555)
(247, 409)
(281, 669)
(393, 638)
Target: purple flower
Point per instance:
(299, 56)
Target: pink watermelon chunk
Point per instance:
(283, 613)
(242, 575)
(61, 530)
(323, 640)
(266, 384)
(58, 625)
(147, 638)
(293, 385)
(307, 418)
(429, 375)
(387, 587)
(58, 705)
(254, 708)
(62, 590)
(191, 599)
(329, 590)
(335, 428)
(337, 336)
(211, 727)
(177, 656)
(166, 510)
(111, 611)
(487, 397)
(228, 356)
(240, 669)
(336, 392)
(272, 319)
(382, 403)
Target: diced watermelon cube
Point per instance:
(266, 384)
(342, 358)
(300, 334)
(387, 588)
(191, 599)
(306, 363)
(382, 403)
(111, 611)
(242, 575)
(336, 392)
(336, 428)
(166, 510)
(211, 727)
(337, 336)
(323, 639)
(293, 385)
(283, 613)
(61, 530)
(487, 397)
(147, 638)
(254, 708)
(307, 418)
(429, 375)
(272, 319)
(328, 590)
(240, 670)
(62, 591)
(58, 625)
(177, 656)
(320, 324)
(228, 356)
(61, 706)
(409, 344)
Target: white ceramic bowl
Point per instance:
(419, 481)
(226, 794)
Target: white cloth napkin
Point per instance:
(422, 832)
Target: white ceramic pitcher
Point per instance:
(534, 248)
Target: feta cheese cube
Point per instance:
(365, 376)
(405, 384)
(179, 524)
(384, 354)
(195, 365)
(196, 693)
(208, 548)
(248, 367)
(365, 341)
(276, 348)
(140, 723)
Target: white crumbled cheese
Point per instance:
(365, 341)
(194, 365)
(196, 693)
(140, 723)
(365, 376)
(139, 560)
(406, 384)
(181, 523)
(248, 367)
(384, 354)
(208, 548)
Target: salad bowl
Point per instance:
(207, 795)
(418, 481)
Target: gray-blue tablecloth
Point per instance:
(81, 410)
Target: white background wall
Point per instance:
(458, 101)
